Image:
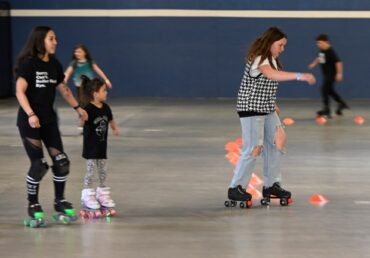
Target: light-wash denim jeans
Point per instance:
(258, 130)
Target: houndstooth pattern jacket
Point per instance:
(256, 94)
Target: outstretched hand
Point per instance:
(309, 77)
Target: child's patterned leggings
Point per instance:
(92, 165)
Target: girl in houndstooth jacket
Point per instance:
(262, 131)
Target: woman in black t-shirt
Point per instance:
(38, 74)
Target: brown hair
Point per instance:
(262, 45)
(322, 37)
(35, 45)
(89, 87)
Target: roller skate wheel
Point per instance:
(98, 214)
(113, 213)
(264, 202)
(227, 204)
(90, 215)
(82, 214)
(249, 204)
(64, 219)
(26, 222)
(55, 218)
(33, 224)
(233, 203)
(290, 200)
(242, 205)
(283, 202)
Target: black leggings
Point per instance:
(32, 140)
(48, 134)
(327, 90)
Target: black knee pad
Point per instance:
(60, 165)
(38, 169)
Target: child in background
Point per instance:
(95, 135)
(332, 71)
(83, 64)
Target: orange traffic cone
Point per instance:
(288, 121)
(359, 120)
(255, 180)
(254, 192)
(318, 199)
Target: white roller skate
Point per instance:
(106, 202)
(90, 206)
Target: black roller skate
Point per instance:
(341, 106)
(324, 113)
(238, 194)
(276, 192)
(65, 212)
(36, 218)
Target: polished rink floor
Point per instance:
(169, 177)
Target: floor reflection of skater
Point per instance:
(38, 75)
(95, 136)
(332, 71)
(261, 127)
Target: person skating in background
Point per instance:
(83, 64)
(332, 71)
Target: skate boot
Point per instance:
(36, 216)
(90, 206)
(325, 113)
(65, 213)
(236, 194)
(341, 106)
(276, 192)
(106, 202)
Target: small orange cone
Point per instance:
(359, 120)
(288, 121)
(239, 141)
(254, 192)
(320, 120)
(232, 146)
(318, 198)
(233, 157)
(255, 180)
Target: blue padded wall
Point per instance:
(200, 56)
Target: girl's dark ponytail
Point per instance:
(85, 90)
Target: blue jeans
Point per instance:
(259, 131)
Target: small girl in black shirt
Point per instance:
(95, 135)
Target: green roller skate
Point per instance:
(65, 213)
(36, 216)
